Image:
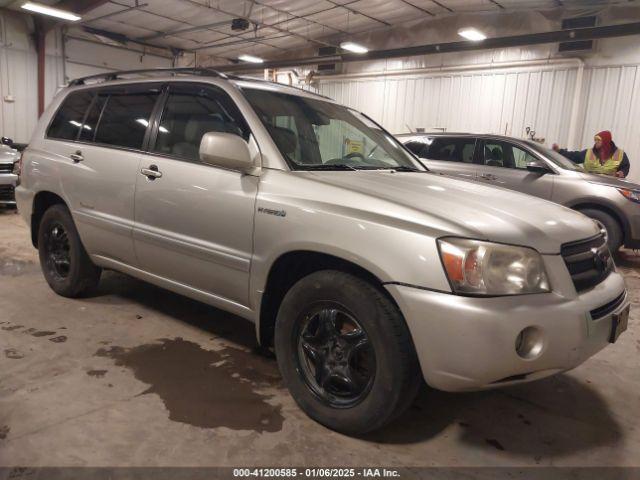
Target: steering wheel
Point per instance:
(354, 154)
(348, 159)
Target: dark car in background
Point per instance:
(529, 167)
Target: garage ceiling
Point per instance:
(276, 26)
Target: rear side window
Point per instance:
(452, 149)
(125, 119)
(67, 122)
(192, 111)
(418, 148)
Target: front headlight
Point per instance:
(632, 195)
(475, 267)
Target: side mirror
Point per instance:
(7, 141)
(226, 150)
(536, 166)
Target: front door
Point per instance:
(504, 164)
(194, 222)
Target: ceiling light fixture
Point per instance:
(353, 47)
(472, 34)
(52, 12)
(250, 59)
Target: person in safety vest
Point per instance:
(604, 158)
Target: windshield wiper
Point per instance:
(335, 166)
(404, 168)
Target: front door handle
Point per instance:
(488, 176)
(76, 157)
(152, 172)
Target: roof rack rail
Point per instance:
(115, 75)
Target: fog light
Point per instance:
(529, 343)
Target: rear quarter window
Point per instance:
(67, 122)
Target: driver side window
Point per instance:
(192, 111)
(507, 155)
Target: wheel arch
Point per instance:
(290, 267)
(42, 201)
(609, 210)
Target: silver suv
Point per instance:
(528, 167)
(9, 157)
(364, 271)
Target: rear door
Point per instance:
(447, 155)
(98, 136)
(504, 164)
(194, 222)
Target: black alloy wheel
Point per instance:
(335, 355)
(57, 251)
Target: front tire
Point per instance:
(345, 352)
(65, 264)
(609, 224)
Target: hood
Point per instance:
(8, 155)
(609, 181)
(471, 209)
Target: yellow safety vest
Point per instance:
(610, 167)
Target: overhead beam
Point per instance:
(423, 10)
(186, 30)
(260, 24)
(120, 37)
(591, 33)
(137, 6)
(81, 7)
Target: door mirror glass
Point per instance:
(226, 150)
(537, 166)
(7, 141)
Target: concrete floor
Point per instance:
(137, 376)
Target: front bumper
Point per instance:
(8, 183)
(467, 343)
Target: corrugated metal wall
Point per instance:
(18, 81)
(495, 102)
(505, 101)
(19, 74)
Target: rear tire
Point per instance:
(369, 371)
(610, 224)
(65, 264)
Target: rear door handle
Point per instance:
(152, 172)
(76, 157)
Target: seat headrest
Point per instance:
(198, 125)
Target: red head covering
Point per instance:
(604, 152)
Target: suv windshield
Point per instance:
(557, 159)
(317, 135)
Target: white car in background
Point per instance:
(9, 157)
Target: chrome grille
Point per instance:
(7, 193)
(589, 261)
